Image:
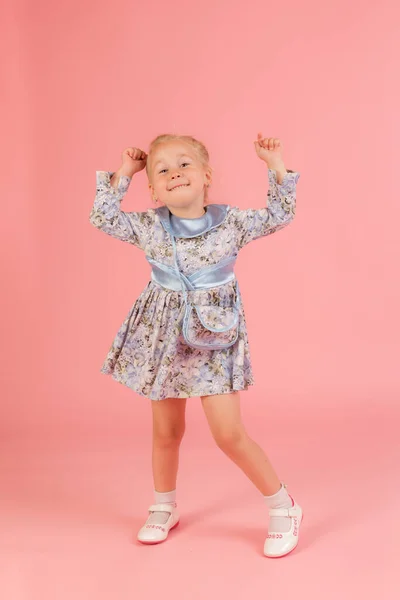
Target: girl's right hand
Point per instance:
(133, 160)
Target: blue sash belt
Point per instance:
(208, 277)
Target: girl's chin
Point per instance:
(179, 201)
(176, 193)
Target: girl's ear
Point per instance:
(152, 193)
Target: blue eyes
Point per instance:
(185, 163)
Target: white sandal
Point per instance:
(151, 533)
(280, 544)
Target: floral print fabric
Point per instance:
(149, 354)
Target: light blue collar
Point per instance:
(188, 228)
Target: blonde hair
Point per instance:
(198, 146)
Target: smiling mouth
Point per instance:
(179, 186)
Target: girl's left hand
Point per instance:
(269, 150)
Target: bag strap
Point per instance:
(185, 282)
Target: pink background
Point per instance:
(82, 81)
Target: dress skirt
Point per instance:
(150, 356)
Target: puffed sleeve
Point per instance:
(106, 213)
(253, 223)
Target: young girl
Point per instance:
(161, 350)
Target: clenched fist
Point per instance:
(269, 150)
(134, 160)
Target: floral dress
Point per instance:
(149, 354)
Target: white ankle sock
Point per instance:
(165, 497)
(161, 517)
(279, 500)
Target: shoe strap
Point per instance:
(161, 508)
(283, 512)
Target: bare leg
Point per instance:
(223, 415)
(168, 430)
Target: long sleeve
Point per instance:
(106, 213)
(253, 223)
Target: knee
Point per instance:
(168, 437)
(230, 440)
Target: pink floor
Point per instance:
(71, 505)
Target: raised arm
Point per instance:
(106, 213)
(253, 223)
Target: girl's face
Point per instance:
(178, 178)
